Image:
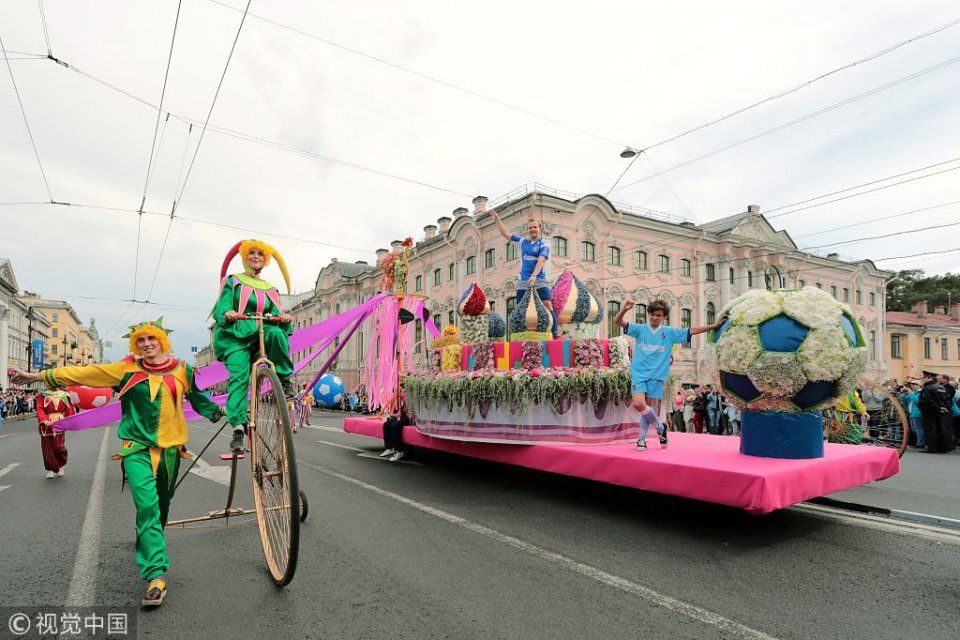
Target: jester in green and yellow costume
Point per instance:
(151, 387)
(236, 341)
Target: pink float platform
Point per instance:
(697, 466)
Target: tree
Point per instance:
(910, 286)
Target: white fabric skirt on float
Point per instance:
(581, 423)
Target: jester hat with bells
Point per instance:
(243, 248)
(149, 328)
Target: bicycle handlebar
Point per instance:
(269, 317)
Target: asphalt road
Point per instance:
(448, 547)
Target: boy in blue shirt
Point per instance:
(651, 362)
(534, 253)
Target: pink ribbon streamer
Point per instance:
(321, 334)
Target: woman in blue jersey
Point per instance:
(534, 253)
(651, 361)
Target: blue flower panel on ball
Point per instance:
(715, 335)
(852, 329)
(782, 333)
(814, 393)
(740, 386)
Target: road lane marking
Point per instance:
(83, 583)
(341, 446)
(217, 473)
(694, 612)
(7, 469)
(880, 523)
(6, 435)
(320, 427)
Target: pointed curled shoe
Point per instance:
(156, 592)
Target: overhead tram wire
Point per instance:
(807, 83)
(872, 220)
(592, 134)
(46, 32)
(803, 118)
(892, 234)
(153, 144)
(865, 184)
(255, 139)
(179, 196)
(26, 122)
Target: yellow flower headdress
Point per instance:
(244, 247)
(152, 328)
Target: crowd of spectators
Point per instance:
(703, 409)
(15, 403)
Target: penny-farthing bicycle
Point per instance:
(279, 504)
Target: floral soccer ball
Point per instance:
(788, 350)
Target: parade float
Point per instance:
(530, 388)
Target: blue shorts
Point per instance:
(543, 289)
(650, 388)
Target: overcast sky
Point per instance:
(632, 72)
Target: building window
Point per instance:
(802, 283)
(511, 251)
(436, 277)
(613, 308)
(451, 272)
(418, 283)
(640, 260)
(686, 321)
(641, 314)
(873, 345)
(613, 256)
(944, 349)
(417, 336)
(873, 299)
(436, 320)
(511, 305)
(749, 278)
(684, 267)
(711, 273)
(588, 251)
(859, 297)
(493, 304)
(663, 263)
(819, 286)
(56, 317)
(451, 319)
(895, 347)
(488, 258)
(833, 291)
(926, 348)
(471, 265)
(711, 313)
(846, 294)
(732, 276)
(53, 348)
(56, 333)
(559, 248)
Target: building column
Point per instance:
(4, 346)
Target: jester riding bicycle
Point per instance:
(236, 337)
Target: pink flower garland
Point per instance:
(483, 356)
(532, 356)
(588, 352)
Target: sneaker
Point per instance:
(51, 475)
(387, 453)
(60, 473)
(641, 445)
(399, 455)
(237, 443)
(663, 439)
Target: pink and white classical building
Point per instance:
(619, 252)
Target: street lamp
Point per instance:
(628, 152)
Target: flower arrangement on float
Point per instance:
(517, 389)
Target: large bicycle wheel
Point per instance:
(276, 492)
(892, 427)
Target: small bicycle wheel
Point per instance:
(304, 506)
(892, 427)
(276, 492)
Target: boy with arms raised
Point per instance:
(651, 362)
